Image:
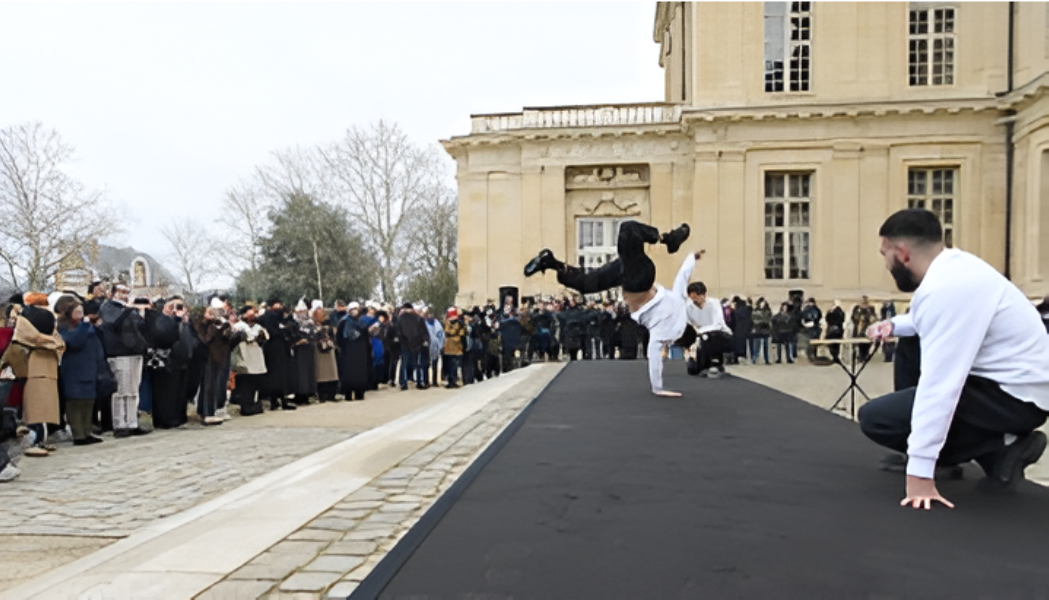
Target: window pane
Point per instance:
(599, 234)
(799, 255)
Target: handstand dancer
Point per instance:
(652, 305)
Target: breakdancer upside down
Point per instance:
(662, 311)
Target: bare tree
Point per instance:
(246, 205)
(291, 172)
(191, 249)
(383, 178)
(50, 217)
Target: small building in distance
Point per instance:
(138, 270)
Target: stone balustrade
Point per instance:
(577, 116)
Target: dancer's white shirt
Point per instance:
(664, 316)
(709, 318)
(970, 319)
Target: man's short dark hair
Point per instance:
(697, 287)
(915, 224)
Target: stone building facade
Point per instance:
(787, 134)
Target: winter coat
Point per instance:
(436, 338)
(33, 355)
(122, 330)
(251, 358)
(862, 318)
(835, 323)
(326, 364)
(454, 336)
(411, 329)
(78, 372)
(762, 318)
(810, 321)
(220, 339)
(781, 328)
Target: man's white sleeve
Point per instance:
(953, 324)
(684, 275)
(903, 325)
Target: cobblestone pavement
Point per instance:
(114, 488)
(334, 552)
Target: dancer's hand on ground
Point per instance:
(880, 330)
(921, 493)
(667, 393)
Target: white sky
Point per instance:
(169, 104)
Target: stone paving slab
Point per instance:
(196, 548)
(367, 523)
(115, 488)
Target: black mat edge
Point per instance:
(387, 568)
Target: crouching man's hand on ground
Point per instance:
(921, 493)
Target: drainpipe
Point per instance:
(1010, 123)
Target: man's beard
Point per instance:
(904, 278)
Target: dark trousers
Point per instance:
(246, 393)
(453, 368)
(633, 270)
(408, 369)
(984, 413)
(215, 383)
(712, 348)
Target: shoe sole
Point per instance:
(1029, 456)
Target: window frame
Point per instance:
(786, 228)
(803, 44)
(597, 255)
(926, 68)
(930, 197)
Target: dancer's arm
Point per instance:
(684, 274)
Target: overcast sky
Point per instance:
(169, 104)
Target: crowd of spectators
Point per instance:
(73, 367)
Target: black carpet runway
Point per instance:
(734, 491)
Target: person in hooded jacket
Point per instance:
(304, 349)
(78, 371)
(280, 332)
(250, 365)
(125, 347)
(33, 355)
(355, 354)
(171, 379)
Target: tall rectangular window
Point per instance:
(931, 46)
(787, 225)
(596, 241)
(788, 38)
(934, 190)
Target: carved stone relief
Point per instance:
(606, 176)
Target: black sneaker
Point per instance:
(543, 261)
(1005, 467)
(674, 239)
(87, 441)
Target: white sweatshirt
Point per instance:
(664, 316)
(709, 318)
(970, 319)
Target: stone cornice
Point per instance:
(459, 143)
(691, 117)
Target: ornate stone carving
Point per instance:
(606, 176)
(609, 206)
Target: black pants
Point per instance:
(633, 270)
(711, 351)
(984, 413)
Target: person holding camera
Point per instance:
(218, 335)
(125, 347)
